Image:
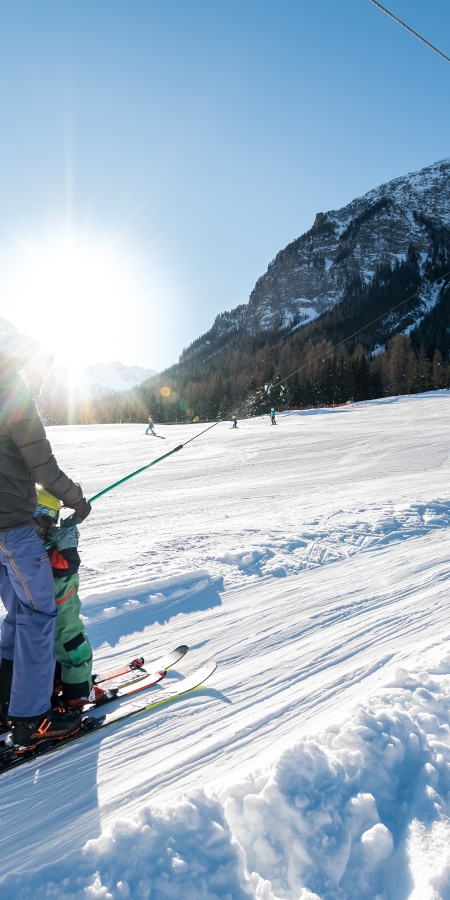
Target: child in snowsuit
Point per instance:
(151, 426)
(73, 676)
(272, 417)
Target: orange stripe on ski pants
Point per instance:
(72, 591)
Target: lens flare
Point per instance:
(77, 293)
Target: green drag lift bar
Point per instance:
(149, 465)
(127, 477)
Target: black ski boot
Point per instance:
(6, 673)
(57, 682)
(54, 725)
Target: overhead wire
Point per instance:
(411, 30)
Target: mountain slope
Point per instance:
(314, 272)
(382, 259)
(353, 266)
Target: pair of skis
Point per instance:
(137, 680)
(132, 678)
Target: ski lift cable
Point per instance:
(415, 33)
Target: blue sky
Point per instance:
(156, 154)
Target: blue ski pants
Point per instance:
(27, 634)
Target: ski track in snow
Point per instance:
(312, 561)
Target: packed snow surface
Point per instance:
(311, 560)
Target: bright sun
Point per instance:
(74, 293)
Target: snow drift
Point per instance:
(358, 811)
(312, 561)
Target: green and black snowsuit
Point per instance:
(72, 647)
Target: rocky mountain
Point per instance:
(314, 272)
(358, 306)
(383, 257)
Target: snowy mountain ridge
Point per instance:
(101, 378)
(87, 381)
(311, 274)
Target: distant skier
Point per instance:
(151, 426)
(235, 424)
(272, 417)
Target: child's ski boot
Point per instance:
(97, 697)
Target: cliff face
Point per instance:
(314, 272)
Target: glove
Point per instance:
(83, 510)
(80, 514)
(64, 538)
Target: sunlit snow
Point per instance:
(311, 560)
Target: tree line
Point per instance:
(325, 378)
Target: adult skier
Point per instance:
(27, 652)
(272, 417)
(151, 426)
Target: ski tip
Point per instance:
(208, 669)
(183, 649)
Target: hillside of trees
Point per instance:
(324, 380)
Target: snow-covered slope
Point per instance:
(312, 561)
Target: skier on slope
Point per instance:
(151, 426)
(235, 424)
(272, 417)
(27, 652)
(73, 651)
